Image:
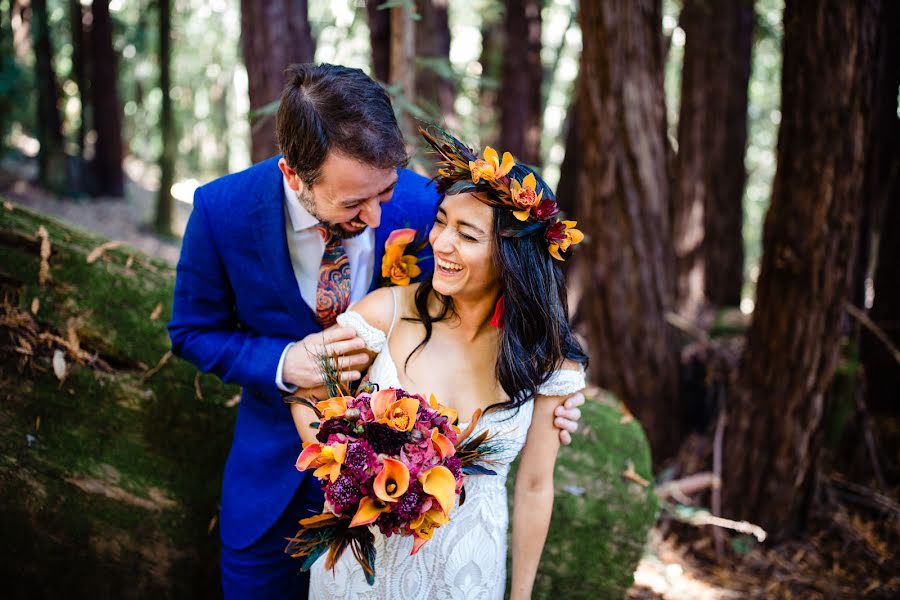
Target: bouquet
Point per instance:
(386, 459)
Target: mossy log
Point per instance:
(110, 475)
(601, 517)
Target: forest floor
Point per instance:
(849, 551)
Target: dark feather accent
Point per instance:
(308, 402)
(475, 469)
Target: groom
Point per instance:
(270, 257)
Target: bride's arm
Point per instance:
(376, 309)
(533, 500)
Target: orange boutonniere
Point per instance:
(398, 268)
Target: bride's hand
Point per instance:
(566, 417)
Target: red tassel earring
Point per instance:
(497, 318)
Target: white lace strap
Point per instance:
(372, 336)
(394, 318)
(563, 382)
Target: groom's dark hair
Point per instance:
(330, 108)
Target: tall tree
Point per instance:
(707, 208)
(520, 84)
(882, 188)
(79, 75)
(624, 208)
(434, 90)
(51, 158)
(774, 422)
(402, 65)
(164, 202)
(274, 35)
(107, 112)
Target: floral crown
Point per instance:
(462, 171)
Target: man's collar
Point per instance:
(300, 217)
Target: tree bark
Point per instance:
(380, 39)
(773, 434)
(165, 202)
(51, 158)
(107, 112)
(520, 84)
(79, 74)
(883, 190)
(624, 208)
(707, 207)
(492, 59)
(402, 67)
(273, 35)
(434, 92)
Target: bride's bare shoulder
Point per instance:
(377, 308)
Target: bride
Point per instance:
(487, 329)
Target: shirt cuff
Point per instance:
(278, 380)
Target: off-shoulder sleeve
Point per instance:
(563, 382)
(372, 336)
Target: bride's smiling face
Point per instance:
(462, 241)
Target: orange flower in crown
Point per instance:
(491, 169)
(398, 268)
(502, 183)
(525, 196)
(560, 235)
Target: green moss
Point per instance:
(154, 448)
(600, 520)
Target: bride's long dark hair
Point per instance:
(535, 336)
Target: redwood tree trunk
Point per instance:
(165, 202)
(106, 110)
(624, 207)
(433, 91)
(712, 137)
(51, 159)
(380, 39)
(520, 84)
(773, 433)
(274, 34)
(883, 191)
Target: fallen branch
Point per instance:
(863, 318)
(702, 518)
(679, 489)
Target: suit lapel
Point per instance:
(271, 244)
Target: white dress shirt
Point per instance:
(306, 248)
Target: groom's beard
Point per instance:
(306, 199)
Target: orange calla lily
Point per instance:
(423, 527)
(440, 483)
(525, 196)
(445, 411)
(491, 169)
(443, 444)
(326, 459)
(368, 511)
(400, 237)
(392, 482)
(333, 407)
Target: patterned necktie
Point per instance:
(333, 291)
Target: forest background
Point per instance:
(734, 164)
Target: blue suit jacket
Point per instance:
(237, 305)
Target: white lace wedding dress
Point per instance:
(466, 558)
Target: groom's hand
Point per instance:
(302, 363)
(566, 418)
